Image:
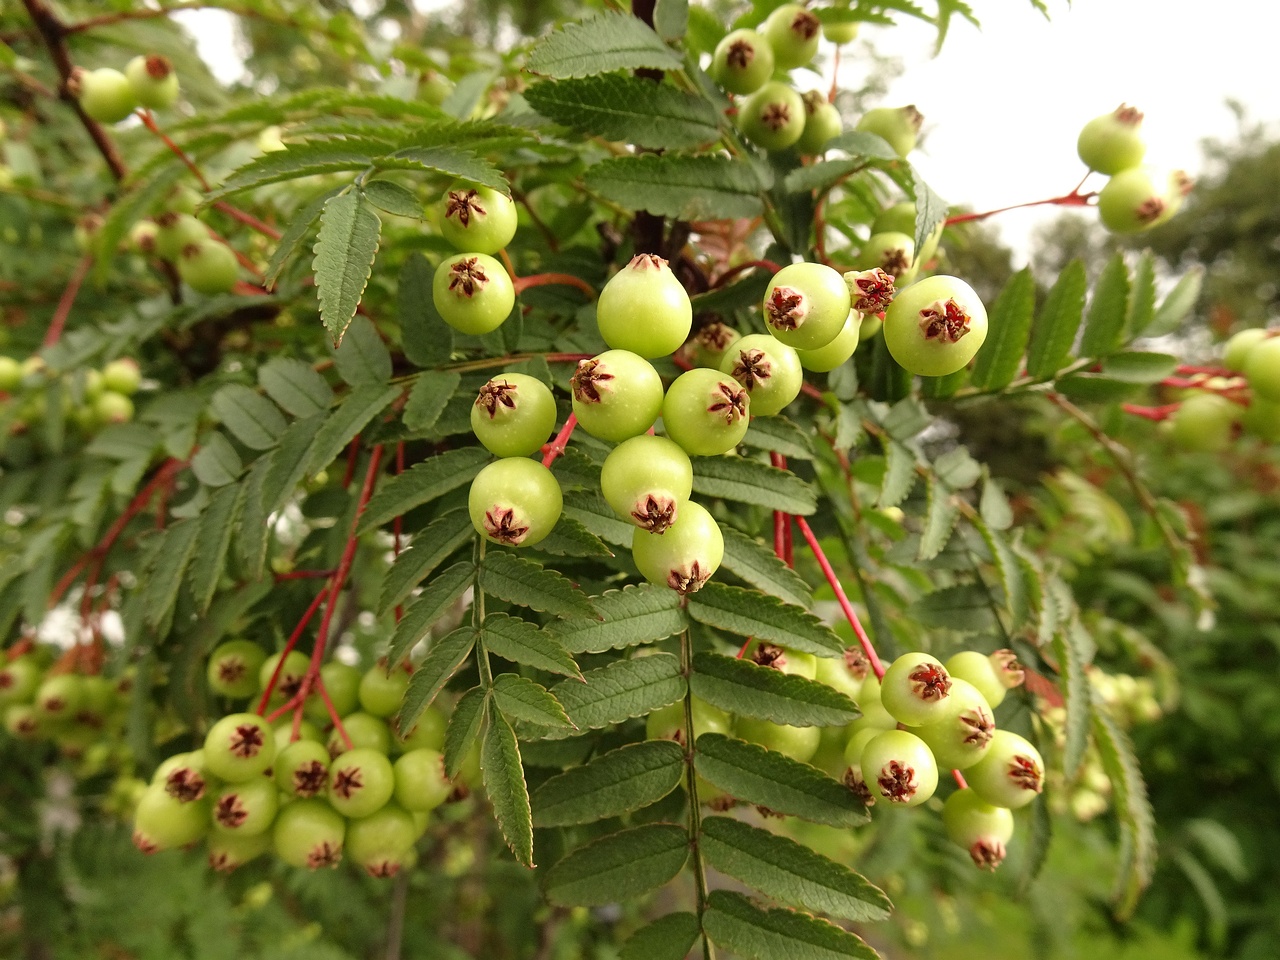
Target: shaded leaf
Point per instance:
(610, 785)
(636, 614)
(736, 924)
(529, 584)
(504, 783)
(440, 594)
(523, 642)
(344, 252)
(441, 662)
(618, 867)
(749, 613)
(744, 688)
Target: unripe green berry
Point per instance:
(898, 126)
(979, 827)
(473, 293)
(1204, 422)
(644, 308)
(233, 668)
(806, 305)
(477, 218)
(792, 32)
(836, 353)
(1235, 353)
(513, 415)
(161, 822)
(894, 253)
(706, 412)
(685, 555)
(309, 833)
(821, 123)
(935, 326)
(105, 95)
(209, 267)
(1113, 142)
(768, 370)
(515, 502)
(742, 62)
(153, 81)
(898, 767)
(772, 117)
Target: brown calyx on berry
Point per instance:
(740, 54)
(1150, 209)
(348, 782)
(854, 781)
(930, 682)
(184, 784)
(914, 116)
(289, 685)
(944, 320)
(231, 670)
(309, 778)
(247, 740)
(26, 726)
(786, 308)
(716, 337)
(324, 854)
(144, 843)
(730, 400)
(987, 853)
(222, 862)
(646, 261)
(688, 580)
(1008, 669)
(587, 380)
(53, 704)
(775, 116)
(805, 25)
(898, 781)
(382, 868)
(74, 85)
(503, 526)
(467, 277)
(753, 368)
(1130, 116)
(158, 67)
(654, 513)
(812, 100)
(895, 261)
(494, 394)
(857, 662)
(978, 726)
(1025, 773)
(463, 205)
(770, 655)
(230, 811)
(6, 679)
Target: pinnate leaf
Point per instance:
(425, 481)
(522, 699)
(523, 642)
(1054, 329)
(441, 662)
(679, 186)
(744, 687)
(439, 595)
(1009, 326)
(295, 386)
(504, 783)
(735, 923)
(749, 613)
(618, 867)
(636, 614)
(667, 938)
(344, 252)
(252, 419)
(529, 584)
(610, 785)
(619, 691)
(603, 44)
(628, 108)
(752, 561)
(429, 549)
(748, 481)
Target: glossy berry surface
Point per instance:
(1204, 423)
(645, 480)
(360, 782)
(380, 842)
(1140, 198)
(806, 305)
(935, 326)
(685, 555)
(742, 62)
(381, 692)
(874, 715)
(706, 412)
(898, 126)
(478, 219)
(616, 395)
(892, 252)
(239, 747)
(515, 502)
(233, 668)
(420, 781)
(668, 722)
(229, 851)
(706, 348)
(772, 117)
(342, 683)
(175, 232)
(289, 678)
(1011, 774)
(798, 743)
(1262, 369)
(845, 32)
(153, 81)
(644, 309)
(792, 32)
(473, 293)
(916, 689)
(208, 267)
(105, 95)
(981, 671)
(366, 732)
(846, 673)
(768, 370)
(821, 123)
(513, 415)
(961, 739)
(247, 807)
(161, 822)
(302, 769)
(792, 662)
(111, 407)
(898, 767)
(1113, 142)
(836, 353)
(309, 833)
(1235, 352)
(122, 375)
(977, 826)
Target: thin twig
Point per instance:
(68, 299)
(850, 614)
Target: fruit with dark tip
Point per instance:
(685, 555)
(514, 502)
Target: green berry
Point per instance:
(477, 218)
(1235, 353)
(1113, 142)
(667, 723)
(978, 827)
(846, 673)
(175, 232)
(806, 305)
(852, 759)
(838, 351)
(901, 218)
(142, 237)
(706, 348)
(184, 777)
(239, 747)
(428, 731)
(381, 692)
(894, 253)
(361, 781)
(898, 767)
(513, 415)
(963, 738)
(381, 842)
(706, 412)
(898, 126)
(645, 479)
(773, 117)
(233, 668)
(841, 33)
(1262, 369)
(768, 370)
(1204, 422)
(1140, 198)
(227, 851)
(366, 731)
(10, 375)
(162, 822)
(798, 743)
(309, 833)
(742, 62)
(247, 807)
(515, 502)
(793, 662)
(20, 678)
(302, 769)
(644, 308)
(105, 95)
(616, 395)
(22, 721)
(289, 680)
(1262, 419)
(822, 123)
(1010, 775)
(916, 689)
(792, 32)
(420, 780)
(60, 697)
(153, 81)
(473, 293)
(122, 376)
(993, 675)
(209, 267)
(112, 407)
(685, 555)
(342, 683)
(935, 326)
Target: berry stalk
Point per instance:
(556, 447)
(867, 648)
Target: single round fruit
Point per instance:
(20, 678)
(870, 293)
(420, 780)
(852, 775)
(935, 326)
(111, 407)
(175, 232)
(477, 218)
(515, 502)
(1011, 774)
(821, 123)
(153, 81)
(962, 739)
(772, 117)
(897, 126)
(342, 683)
(898, 767)
(381, 692)
(184, 777)
(644, 308)
(513, 415)
(289, 680)
(1235, 353)
(239, 747)
(768, 370)
(1262, 419)
(10, 375)
(247, 807)
(142, 237)
(227, 851)
(233, 668)
(1141, 198)
(302, 769)
(846, 673)
(806, 305)
(841, 33)
(105, 95)
(366, 731)
(122, 376)
(184, 198)
(979, 827)
(742, 62)
(798, 743)
(792, 32)
(616, 395)
(993, 675)
(874, 715)
(838, 351)
(60, 697)
(381, 841)
(473, 293)
(1204, 422)
(1113, 142)
(209, 267)
(706, 412)
(668, 722)
(916, 690)
(161, 822)
(793, 662)
(901, 218)
(309, 833)
(892, 252)
(428, 731)
(22, 721)
(361, 781)
(684, 556)
(707, 347)
(1262, 369)
(645, 479)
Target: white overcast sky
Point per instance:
(1003, 104)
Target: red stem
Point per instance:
(560, 279)
(741, 268)
(292, 642)
(1072, 199)
(960, 781)
(353, 448)
(248, 219)
(68, 299)
(149, 122)
(556, 447)
(1212, 371)
(1151, 413)
(867, 648)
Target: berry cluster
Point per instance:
(311, 796)
(90, 398)
(472, 291)
(1137, 197)
(204, 261)
(109, 96)
(1244, 394)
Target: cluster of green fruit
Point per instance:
(109, 96)
(90, 398)
(774, 116)
(311, 797)
(203, 260)
(1211, 413)
(1137, 197)
(922, 716)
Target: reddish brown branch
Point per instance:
(1073, 199)
(288, 647)
(60, 315)
(558, 279)
(850, 614)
